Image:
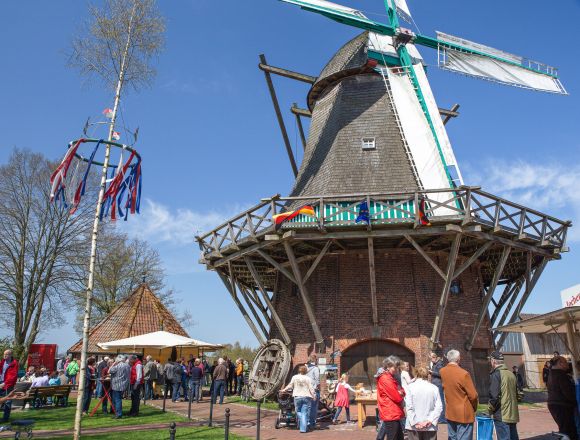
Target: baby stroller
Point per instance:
(287, 412)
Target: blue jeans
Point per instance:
(7, 404)
(240, 383)
(194, 390)
(117, 397)
(87, 398)
(175, 392)
(339, 410)
(148, 389)
(303, 411)
(219, 386)
(99, 390)
(459, 431)
(184, 380)
(506, 431)
(314, 409)
(442, 418)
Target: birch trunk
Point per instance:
(82, 377)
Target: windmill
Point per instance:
(380, 248)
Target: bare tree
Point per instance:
(38, 242)
(121, 265)
(120, 41)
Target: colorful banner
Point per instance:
(42, 355)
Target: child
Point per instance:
(54, 380)
(342, 400)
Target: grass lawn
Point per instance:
(63, 418)
(145, 434)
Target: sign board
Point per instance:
(42, 355)
(571, 296)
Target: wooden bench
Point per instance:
(39, 396)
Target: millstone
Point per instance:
(270, 369)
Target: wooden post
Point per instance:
(452, 259)
(486, 300)
(248, 301)
(279, 116)
(303, 292)
(232, 292)
(524, 298)
(300, 127)
(373, 281)
(275, 315)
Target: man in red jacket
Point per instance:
(390, 400)
(8, 376)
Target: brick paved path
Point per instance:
(535, 423)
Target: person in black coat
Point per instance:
(436, 364)
(562, 397)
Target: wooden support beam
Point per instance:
(513, 296)
(318, 259)
(452, 260)
(425, 256)
(285, 72)
(300, 111)
(483, 311)
(506, 241)
(243, 311)
(300, 127)
(303, 293)
(471, 259)
(279, 116)
(516, 314)
(373, 280)
(449, 113)
(277, 265)
(510, 288)
(255, 314)
(266, 298)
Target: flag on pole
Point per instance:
(289, 215)
(423, 219)
(108, 113)
(363, 213)
(116, 135)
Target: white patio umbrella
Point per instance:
(563, 322)
(157, 341)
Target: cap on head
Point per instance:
(496, 356)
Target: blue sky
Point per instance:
(209, 138)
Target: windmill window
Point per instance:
(368, 143)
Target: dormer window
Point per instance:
(368, 143)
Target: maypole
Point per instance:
(95, 233)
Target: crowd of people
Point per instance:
(414, 401)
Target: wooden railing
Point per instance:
(468, 205)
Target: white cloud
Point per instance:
(551, 188)
(159, 224)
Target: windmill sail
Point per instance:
(403, 10)
(342, 14)
(473, 59)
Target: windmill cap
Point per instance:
(496, 355)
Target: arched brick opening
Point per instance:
(362, 359)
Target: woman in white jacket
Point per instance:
(423, 408)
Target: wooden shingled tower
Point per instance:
(383, 249)
(140, 313)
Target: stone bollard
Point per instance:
(227, 425)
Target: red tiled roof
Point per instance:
(140, 313)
